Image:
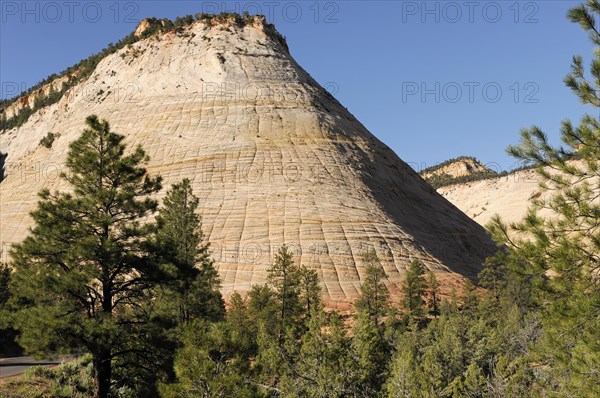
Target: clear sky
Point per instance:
(432, 79)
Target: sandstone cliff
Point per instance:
(273, 157)
(509, 196)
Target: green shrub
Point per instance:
(48, 140)
(68, 380)
(40, 371)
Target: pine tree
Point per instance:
(374, 296)
(4, 284)
(414, 288)
(284, 278)
(405, 370)
(561, 253)
(207, 365)
(194, 282)
(324, 366)
(310, 291)
(493, 274)
(471, 384)
(243, 333)
(8, 345)
(83, 277)
(369, 356)
(469, 298)
(433, 289)
(263, 308)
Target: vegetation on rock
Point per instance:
(48, 140)
(440, 179)
(83, 69)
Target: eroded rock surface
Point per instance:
(273, 157)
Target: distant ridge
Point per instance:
(460, 170)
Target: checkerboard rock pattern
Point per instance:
(272, 155)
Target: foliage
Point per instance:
(560, 252)
(374, 295)
(68, 380)
(84, 276)
(48, 140)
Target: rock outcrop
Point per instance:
(509, 195)
(273, 157)
(29, 100)
(460, 167)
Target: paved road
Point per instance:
(16, 366)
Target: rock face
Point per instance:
(273, 157)
(460, 167)
(509, 196)
(30, 99)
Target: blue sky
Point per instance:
(432, 79)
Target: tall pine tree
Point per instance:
(193, 288)
(374, 296)
(83, 277)
(561, 250)
(413, 288)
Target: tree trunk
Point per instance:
(102, 374)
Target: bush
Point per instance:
(71, 379)
(48, 140)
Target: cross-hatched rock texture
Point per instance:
(273, 157)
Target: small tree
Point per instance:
(207, 365)
(324, 364)
(8, 345)
(493, 275)
(4, 284)
(414, 288)
(369, 356)
(374, 296)
(433, 289)
(284, 277)
(310, 291)
(469, 298)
